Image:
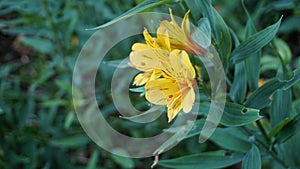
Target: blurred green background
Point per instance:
(39, 44)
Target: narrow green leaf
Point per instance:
(252, 66)
(202, 35)
(252, 160)
(282, 99)
(220, 30)
(39, 44)
(277, 128)
(69, 119)
(140, 7)
(138, 89)
(289, 152)
(290, 129)
(148, 115)
(54, 102)
(92, 164)
(125, 162)
(235, 139)
(281, 106)
(255, 42)
(239, 86)
(119, 63)
(180, 134)
(71, 141)
(268, 63)
(206, 160)
(252, 63)
(295, 106)
(260, 98)
(283, 50)
(1, 111)
(238, 115)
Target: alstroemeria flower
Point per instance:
(147, 58)
(179, 37)
(176, 88)
(167, 72)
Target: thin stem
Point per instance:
(274, 155)
(263, 131)
(262, 144)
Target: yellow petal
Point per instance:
(143, 60)
(151, 42)
(180, 67)
(188, 100)
(160, 91)
(141, 79)
(188, 65)
(173, 21)
(163, 38)
(174, 107)
(176, 34)
(156, 73)
(139, 46)
(185, 25)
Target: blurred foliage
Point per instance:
(40, 42)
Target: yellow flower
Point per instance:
(176, 88)
(179, 37)
(167, 72)
(147, 58)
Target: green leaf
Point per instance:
(281, 106)
(39, 44)
(260, 98)
(124, 162)
(220, 30)
(288, 130)
(238, 115)
(202, 35)
(1, 111)
(268, 63)
(235, 139)
(252, 160)
(180, 134)
(140, 7)
(69, 119)
(295, 106)
(146, 116)
(277, 128)
(255, 42)
(206, 160)
(71, 141)
(138, 89)
(54, 102)
(118, 63)
(283, 50)
(252, 63)
(282, 99)
(92, 164)
(239, 86)
(289, 152)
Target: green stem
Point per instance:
(273, 154)
(262, 144)
(263, 131)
